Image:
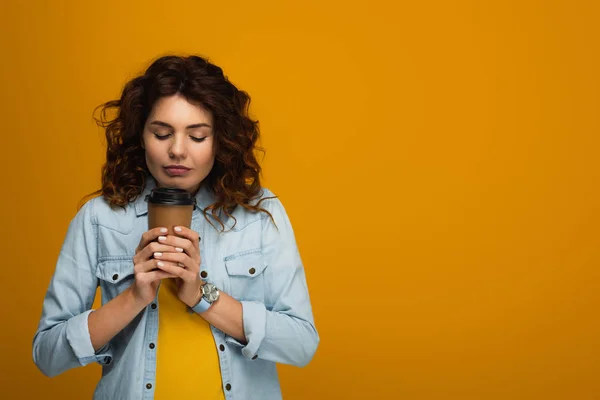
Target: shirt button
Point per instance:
(115, 277)
(204, 274)
(148, 386)
(255, 357)
(153, 306)
(252, 271)
(222, 348)
(151, 345)
(228, 387)
(107, 359)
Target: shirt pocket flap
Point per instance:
(114, 271)
(248, 265)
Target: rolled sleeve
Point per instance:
(254, 320)
(254, 317)
(283, 331)
(62, 340)
(78, 336)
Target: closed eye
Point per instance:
(161, 137)
(198, 140)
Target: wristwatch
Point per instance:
(210, 294)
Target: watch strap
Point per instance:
(202, 306)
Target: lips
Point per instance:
(176, 170)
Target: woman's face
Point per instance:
(179, 143)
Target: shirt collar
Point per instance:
(204, 198)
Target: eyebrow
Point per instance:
(200, 125)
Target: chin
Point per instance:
(185, 185)
(168, 182)
(188, 183)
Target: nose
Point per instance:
(178, 148)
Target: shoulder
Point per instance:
(265, 200)
(99, 212)
(272, 204)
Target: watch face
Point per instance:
(211, 294)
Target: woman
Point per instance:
(159, 333)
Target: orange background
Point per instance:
(438, 159)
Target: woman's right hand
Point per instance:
(147, 276)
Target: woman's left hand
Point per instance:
(187, 255)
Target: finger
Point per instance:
(185, 260)
(181, 244)
(187, 233)
(147, 252)
(177, 258)
(144, 266)
(174, 270)
(150, 236)
(149, 265)
(158, 275)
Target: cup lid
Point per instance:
(171, 197)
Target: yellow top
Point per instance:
(187, 363)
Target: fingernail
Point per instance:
(179, 249)
(177, 229)
(157, 254)
(180, 264)
(160, 264)
(162, 238)
(163, 230)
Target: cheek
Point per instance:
(152, 154)
(205, 157)
(152, 161)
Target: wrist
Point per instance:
(209, 295)
(133, 301)
(198, 296)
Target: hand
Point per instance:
(183, 263)
(147, 276)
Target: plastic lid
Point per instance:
(171, 197)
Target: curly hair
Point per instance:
(235, 177)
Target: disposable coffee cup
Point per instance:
(170, 207)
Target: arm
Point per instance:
(70, 334)
(62, 340)
(115, 315)
(224, 314)
(285, 332)
(110, 319)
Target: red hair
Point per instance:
(235, 177)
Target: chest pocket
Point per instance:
(114, 276)
(246, 276)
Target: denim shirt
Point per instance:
(98, 251)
